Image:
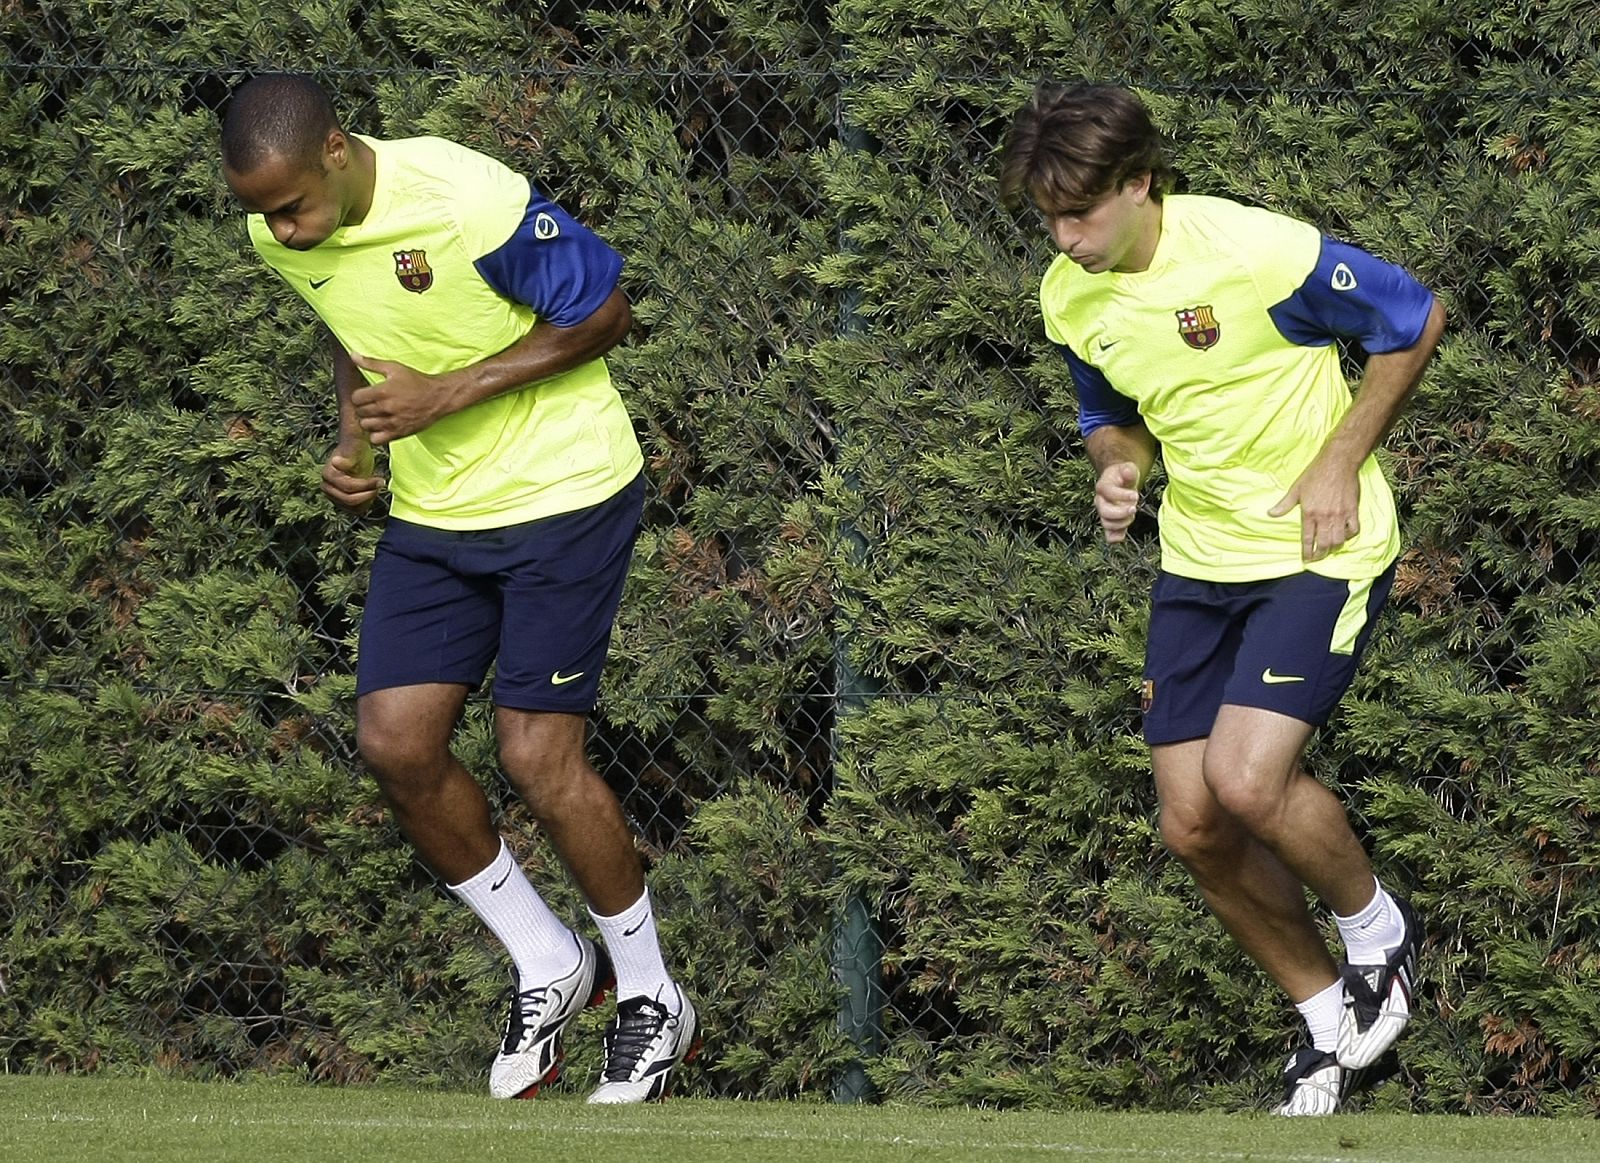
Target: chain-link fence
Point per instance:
(872, 706)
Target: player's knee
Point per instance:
(1194, 837)
(399, 761)
(548, 780)
(545, 760)
(1248, 792)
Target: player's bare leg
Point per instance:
(1259, 901)
(1255, 830)
(544, 758)
(1306, 827)
(655, 1026)
(1252, 767)
(1262, 904)
(403, 734)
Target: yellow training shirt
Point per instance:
(456, 259)
(1225, 348)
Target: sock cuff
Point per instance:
(486, 876)
(1333, 994)
(1322, 1012)
(635, 912)
(1373, 909)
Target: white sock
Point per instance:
(1374, 932)
(635, 950)
(541, 947)
(1321, 1012)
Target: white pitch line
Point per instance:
(907, 1141)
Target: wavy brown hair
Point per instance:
(1071, 143)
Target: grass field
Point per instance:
(84, 1120)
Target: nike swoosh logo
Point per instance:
(635, 929)
(495, 887)
(1273, 679)
(318, 284)
(557, 679)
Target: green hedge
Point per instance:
(872, 650)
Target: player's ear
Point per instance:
(335, 149)
(1139, 186)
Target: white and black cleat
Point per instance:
(1313, 1084)
(645, 1042)
(531, 1047)
(1377, 998)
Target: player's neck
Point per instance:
(363, 180)
(1143, 251)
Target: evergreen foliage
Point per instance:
(872, 649)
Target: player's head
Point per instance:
(1089, 157)
(1071, 144)
(286, 157)
(279, 115)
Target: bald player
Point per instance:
(1206, 332)
(470, 316)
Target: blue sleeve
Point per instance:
(1099, 403)
(1350, 294)
(552, 263)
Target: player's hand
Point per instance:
(349, 477)
(402, 403)
(1329, 499)
(1116, 499)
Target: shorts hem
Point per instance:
(1180, 737)
(388, 684)
(1310, 720)
(543, 706)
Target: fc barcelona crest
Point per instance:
(1198, 326)
(412, 269)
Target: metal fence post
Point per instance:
(858, 944)
(856, 951)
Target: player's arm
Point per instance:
(1328, 491)
(1401, 323)
(1119, 445)
(551, 263)
(1122, 456)
(349, 477)
(406, 401)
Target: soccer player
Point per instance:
(469, 316)
(1206, 331)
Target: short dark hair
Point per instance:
(1071, 143)
(277, 114)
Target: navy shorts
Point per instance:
(537, 599)
(1288, 645)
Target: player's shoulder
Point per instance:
(1067, 298)
(1230, 243)
(260, 233)
(437, 167)
(425, 149)
(1206, 224)
(1058, 278)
